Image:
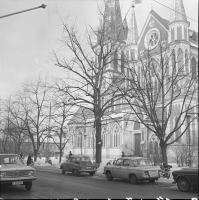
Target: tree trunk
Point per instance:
(98, 141)
(60, 155)
(163, 147)
(35, 154)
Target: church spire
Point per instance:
(133, 29)
(178, 11)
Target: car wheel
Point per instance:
(183, 184)
(62, 171)
(151, 180)
(109, 176)
(91, 173)
(133, 179)
(76, 172)
(28, 185)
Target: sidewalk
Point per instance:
(54, 168)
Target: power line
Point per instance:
(175, 11)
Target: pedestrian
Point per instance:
(123, 154)
(21, 155)
(29, 160)
(70, 154)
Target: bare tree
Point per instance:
(60, 112)
(158, 80)
(33, 104)
(87, 63)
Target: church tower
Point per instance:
(132, 36)
(178, 36)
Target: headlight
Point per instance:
(2, 174)
(31, 173)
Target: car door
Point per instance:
(116, 168)
(124, 170)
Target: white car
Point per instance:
(136, 169)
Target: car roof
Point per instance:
(134, 158)
(8, 154)
(79, 155)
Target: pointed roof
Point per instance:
(114, 21)
(133, 29)
(178, 12)
(125, 25)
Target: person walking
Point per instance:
(70, 154)
(29, 160)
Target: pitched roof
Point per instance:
(81, 116)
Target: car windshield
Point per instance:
(10, 159)
(142, 162)
(83, 159)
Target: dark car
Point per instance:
(186, 178)
(13, 171)
(78, 164)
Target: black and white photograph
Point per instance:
(99, 99)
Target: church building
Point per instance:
(121, 132)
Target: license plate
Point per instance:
(88, 167)
(17, 183)
(153, 173)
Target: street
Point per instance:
(56, 185)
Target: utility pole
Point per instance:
(42, 6)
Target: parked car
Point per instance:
(13, 171)
(186, 178)
(136, 169)
(78, 164)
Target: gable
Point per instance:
(153, 24)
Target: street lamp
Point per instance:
(42, 6)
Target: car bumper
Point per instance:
(9, 180)
(87, 170)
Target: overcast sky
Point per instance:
(27, 39)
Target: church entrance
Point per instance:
(137, 144)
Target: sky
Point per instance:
(28, 39)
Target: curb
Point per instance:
(99, 175)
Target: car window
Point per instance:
(119, 162)
(126, 163)
(142, 162)
(86, 159)
(11, 159)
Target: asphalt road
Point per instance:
(58, 186)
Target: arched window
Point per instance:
(115, 61)
(172, 35)
(177, 133)
(104, 138)
(185, 33)
(116, 137)
(180, 60)
(155, 89)
(193, 67)
(179, 33)
(186, 62)
(173, 63)
(122, 62)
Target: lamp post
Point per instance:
(42, 6)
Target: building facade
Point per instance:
(122, 131)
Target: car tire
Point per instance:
(151, 180)
(28, 185)
(91, 173)
(183, 184)
(133, 179)
(76, 172)
(109, 176)
(62, 171)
